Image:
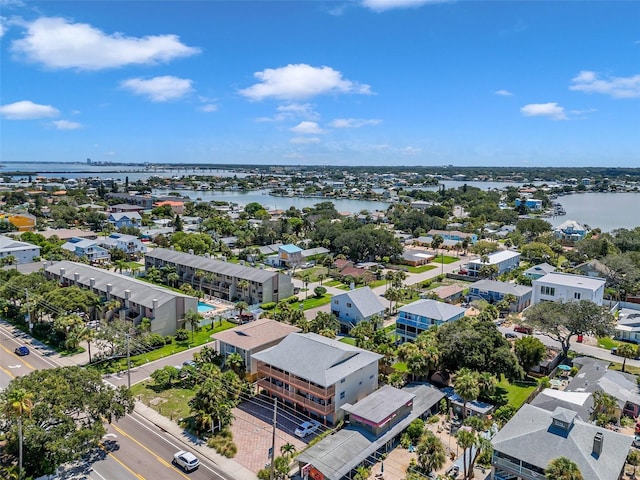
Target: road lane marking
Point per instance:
(21, 359)
(7, 372)
(157, 457)
(137, 475)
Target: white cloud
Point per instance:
(27, 110)
(57, 43)
(617, 87)
(382, 5)
(208, 107)
(304, 140)
(66, 125)
(3, 29)
(504, 93)
(307, 128)
(551, 109)
(159, 89)
(410, 150)
(292, 111)
(300, 81)
(353, 122)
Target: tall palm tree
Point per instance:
(243, 285)
(192, 318)
(467, 386)
(18, 405)
(562, 468)
(466, 439)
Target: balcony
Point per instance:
(517, 469)
(307, 403)
(265, 370)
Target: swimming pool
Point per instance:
(204, 307)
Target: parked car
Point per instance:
(307, 428)
(187, 461)
(510, 335)
(523, 329)
(21, 351)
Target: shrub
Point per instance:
(182, 334)
(156, 340)
(415, 430)
(168, 340)
(268, 305)
(319, 291)
(292, 299)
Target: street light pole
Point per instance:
(273, 439)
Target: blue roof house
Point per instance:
(421, 315)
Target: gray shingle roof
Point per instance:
(211, 265)
(531, 437)
(380, 404)
(433, 309)
(541, 269)
(502, 287)
(318, 359)
(364, 299)
(142, 293)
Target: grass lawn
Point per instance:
(348, 340)
(313, 273)
(312, 302)
(423, 268)
(172, 403)
(516, 392)
(332, 283)
(200, 338)
(446, 259)
(608, 343)
(628, 368)
(377, 283)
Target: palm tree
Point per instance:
(305, 279)
(604, 403)
(192, 318)
(467, 386)
(199, 275)
(243, 285)
(235, 362)
(241, 306)
(209, 277)
(172, 278)
(288, 450)
(321, 277)
(18, 405)
(430, 450)
(626, 350)
(562, 468)
(466, 439)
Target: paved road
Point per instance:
(135, 448)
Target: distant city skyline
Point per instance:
(360, 82)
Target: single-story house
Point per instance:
(416, 258)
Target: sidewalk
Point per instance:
(226, 466)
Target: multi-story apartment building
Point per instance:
(89, 249)
(223, 279)
(317, 375)
(165, 308)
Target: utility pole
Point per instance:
(273, 438)
(26, 293)
(128, 361)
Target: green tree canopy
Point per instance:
(530, 351)
(70, 405)
(560, 321)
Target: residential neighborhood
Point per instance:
(381, 349)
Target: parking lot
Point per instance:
(253, 429)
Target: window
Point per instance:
(551, 291)
(336, 302)
(576, 295)
(348, 305)
(342, 381)
(370, 377)
(341, 395)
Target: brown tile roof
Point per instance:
(254, 334)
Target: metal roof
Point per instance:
(433, 309)
(501, 287)
(364, 300)
(319, 359)
(212, 265)
(570, 280)
(142, 293)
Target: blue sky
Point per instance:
(366, 82)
